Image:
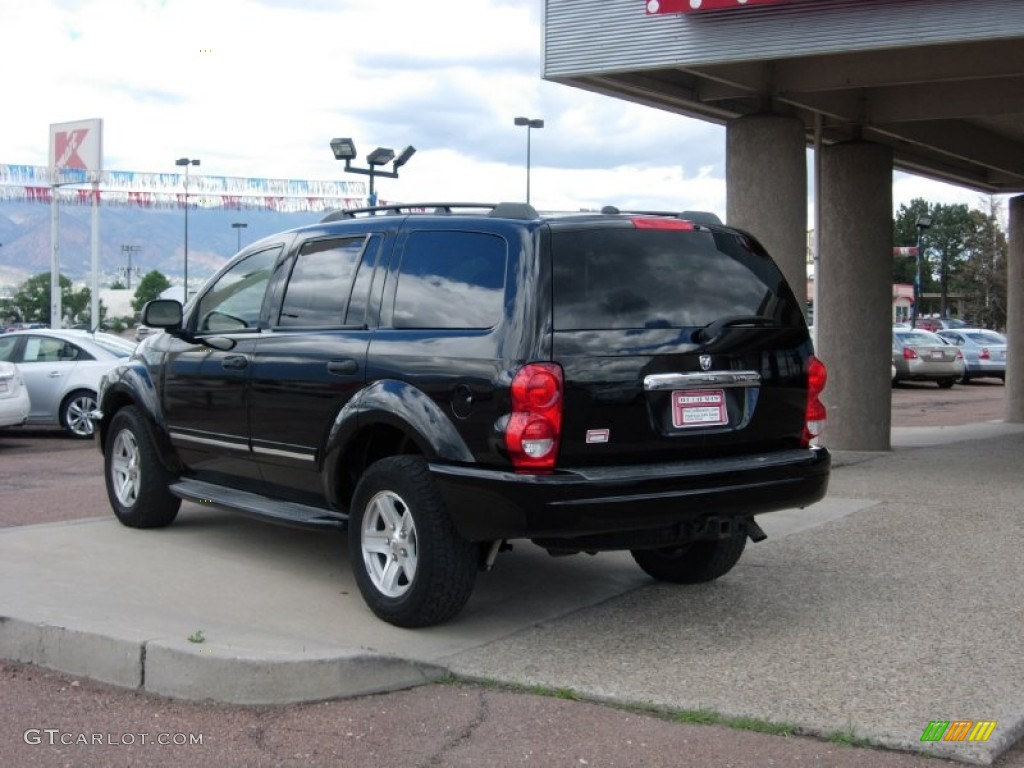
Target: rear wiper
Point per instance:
(714, 329)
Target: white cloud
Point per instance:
(259, 87)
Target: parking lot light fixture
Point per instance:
(185, 162)
(923, 222)
(345, 149)
(530, 123)
(238, 226)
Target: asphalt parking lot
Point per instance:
(820, 627)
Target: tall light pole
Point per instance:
(530, 124)
(345, 149)
(186, 162)
(238, 227)
(923, 222)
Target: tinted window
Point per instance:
(641, 278)
(319, 286)
(233, 302)
(451, 280)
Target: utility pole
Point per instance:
(127, 273)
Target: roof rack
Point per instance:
(696, 217)
(521, 211)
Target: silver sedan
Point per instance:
(984, 352)
(62, 371)
(922, 356)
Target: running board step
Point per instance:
(272, 510)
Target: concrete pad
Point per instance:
(892, 603)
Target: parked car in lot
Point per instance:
(923, 356)
(14, 400)
(440, 379)
(62, 371)
(935, 324)
(984, 352)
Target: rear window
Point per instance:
(625, 278)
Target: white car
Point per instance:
(62, 371)
(14, 400)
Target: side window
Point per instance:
(451, 280)
(233, 302)
(318, 290)
(7, 346)
(46, 349)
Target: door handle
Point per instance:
(55, 374)
(343, 367)
(235, 362)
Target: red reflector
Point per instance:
(648, 222)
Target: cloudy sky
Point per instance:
(259, 87)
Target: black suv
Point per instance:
(441, 378)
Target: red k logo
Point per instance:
(67, 146)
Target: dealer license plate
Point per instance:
(699, 408)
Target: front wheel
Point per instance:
(74, 413)
(411, 565)
(136, 480)
(692, 563)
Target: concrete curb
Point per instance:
(199, 672)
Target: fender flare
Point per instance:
(402, 406)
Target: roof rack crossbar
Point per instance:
(696, 217)
(504, 210)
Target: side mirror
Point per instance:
(162, 313)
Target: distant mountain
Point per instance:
(158, 233)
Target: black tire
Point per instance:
(423, 575)
(692, 563)
(946, 383)
(137, 481)
(74, 414)
(966, 378)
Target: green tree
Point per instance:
(943, 246)
(151, 285)
(983, 279)
(33, 300)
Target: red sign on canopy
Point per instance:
(692, 6)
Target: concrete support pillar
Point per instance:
(854, 321)
(766, 182)
(1015, 314)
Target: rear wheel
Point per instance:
(946, 383)
(692, 563)
(136, 480)
(412, 567)
(966, 378)
(74, 413)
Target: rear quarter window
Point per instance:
(623, 278)
(451, 280)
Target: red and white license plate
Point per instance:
(699, 408)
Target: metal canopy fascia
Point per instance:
(950, 110)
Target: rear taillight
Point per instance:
(984, 355)
(909, 354)
(535, 426)
(815, 414)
